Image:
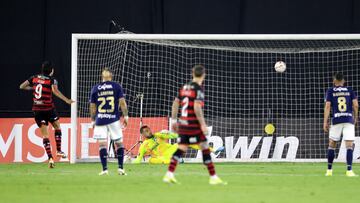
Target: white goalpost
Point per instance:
(243, 92)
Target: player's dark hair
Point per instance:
(142, 128)
(46, 67)
(338, 76)
(199, 70)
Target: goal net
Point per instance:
(243, 92)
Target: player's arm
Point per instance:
(25, 85)
(140, 156)
(57, 93)
(355, 105)
(124, 110)
(175, 108)
(164, 134)
(92, 106)
(174, 113)
(326, 116)
(197, 147)
(200, 115)
(92, 111)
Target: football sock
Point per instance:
(58, 140)
(331, 156)
(120, 157)
(349, 159)
(208, 162)
(174, 160)
(103, 158)
(46, 143)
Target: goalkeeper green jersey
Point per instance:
(157, 146)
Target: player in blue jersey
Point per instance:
(105, 100)
(343, 103)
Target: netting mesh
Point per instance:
(242, 90)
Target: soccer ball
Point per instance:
(280, 66)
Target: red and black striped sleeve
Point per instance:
(54, 81)
(200, 96)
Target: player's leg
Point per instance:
(349, 137)
(207, 160)
(120, 156)
(181, 149)
(175, 158)
(334, 137)
(116, 136)
(46, 143)
(54, 119)
(204, 146)
(168, 153)
(158, 160)
(330, 156)
(42, 122)
(100, 134)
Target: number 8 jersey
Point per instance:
(341, 99)
(106, 96)
(42, 92)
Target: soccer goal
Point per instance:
(243, 92)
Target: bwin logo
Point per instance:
(104, 87)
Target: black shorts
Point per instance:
(191, 139)
(44, 117)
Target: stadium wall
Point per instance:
(32, 31)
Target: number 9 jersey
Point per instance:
(341, 99)
(42, 92)
(106, 96)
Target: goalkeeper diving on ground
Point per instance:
(157, 147)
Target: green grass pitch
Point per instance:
(247, 182)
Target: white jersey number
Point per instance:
(38, 91)
(342, 104)
(185, 104)
(110, 100)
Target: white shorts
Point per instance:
(113, 130)
(347, 130)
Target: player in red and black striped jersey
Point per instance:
(44, 85)
(192, 128)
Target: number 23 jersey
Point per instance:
(106, 96)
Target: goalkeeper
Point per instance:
(156, 146)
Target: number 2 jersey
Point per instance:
(42, 92)
(188, 94)
(106, 96)
(341, 104)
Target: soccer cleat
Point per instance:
(168, 179)
(51, 163)
(122, 172)
(328, 172)
(351, 174)
(61, 154)
(102, 173)
(216, 181)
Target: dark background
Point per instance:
(33, 31)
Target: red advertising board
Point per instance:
(21, 141)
